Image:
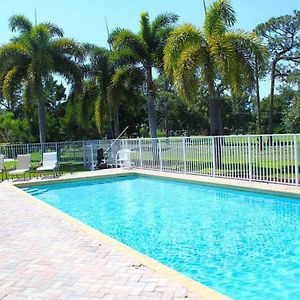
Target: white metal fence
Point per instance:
(75, 152)
(267, 158)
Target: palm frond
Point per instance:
(114, 34)
(127, 39)
(99, 64)
(128, 77)
(54, 30)
(145, 29)
(180, 39)
(235, 54)
(19, 23)
(12, 82)
(219, 17)
(124, 56)
(185, 76)
(88, 47)
(70, 47)
(69, 69)
(13, 54)
(40, 35)
(164, 20)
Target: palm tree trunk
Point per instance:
(42, 120)
(150, 104)
(214, 112)
(215, 122)
(41, 111)
(167, 123)
(258, 105)
(116, 122)
(257, 98)
(271, 99)
(110, 133)
(151, 113)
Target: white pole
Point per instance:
(140, 153)
(184, 154)
(249, 159)
(213, 156)
(160, 158)
(296, 159)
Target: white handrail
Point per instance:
(116, 139)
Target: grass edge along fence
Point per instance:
(266, 158)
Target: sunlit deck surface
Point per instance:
(46, 256)
(43, 256)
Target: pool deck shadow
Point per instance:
(45, 254)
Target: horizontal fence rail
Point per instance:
(266, 158)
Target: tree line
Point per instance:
(166, 79)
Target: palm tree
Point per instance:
(114, 83)
(32, 57)
(211, 56)
(145, 49)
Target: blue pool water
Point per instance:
(243, 244)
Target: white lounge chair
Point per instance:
(50, 163)
(123, 158)
(23, 165)
(2, 168)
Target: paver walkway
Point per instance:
(45, 257)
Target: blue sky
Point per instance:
(84, 19)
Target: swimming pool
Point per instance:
(243, 244)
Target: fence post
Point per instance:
(140, 153)
(249, 159)
(184, 154)
(213, 155)
(296, 159)
(159, 151)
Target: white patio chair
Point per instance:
(23, 165)
(50, 163)
(123, 158)
(2, 168)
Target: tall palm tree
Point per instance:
(35, 54)
(211, 56)
(115, 83)
(145, 49)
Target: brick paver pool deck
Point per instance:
(43, 256)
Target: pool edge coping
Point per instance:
(259, 187)
(195, 287)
